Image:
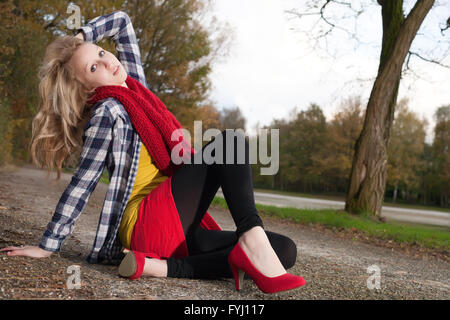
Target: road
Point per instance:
(428, 217)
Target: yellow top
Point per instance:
(148, 177)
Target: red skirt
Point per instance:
(158, 232)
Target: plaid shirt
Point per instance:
(109, 138)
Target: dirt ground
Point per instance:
(336, 265)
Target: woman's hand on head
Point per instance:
(27, 251)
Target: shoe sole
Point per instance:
(128, 265)
(241, 284)
(268, 293)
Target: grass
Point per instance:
(425, 236)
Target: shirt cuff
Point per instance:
(50, 245)
(89, 33)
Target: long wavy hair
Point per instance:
(63, 111)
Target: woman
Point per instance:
(153, 210)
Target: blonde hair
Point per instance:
(63, 109)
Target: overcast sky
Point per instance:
(273, 67)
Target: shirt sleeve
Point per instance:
(118, 26)
(97, 138)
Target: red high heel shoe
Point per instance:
(240, 264)
(132, 265)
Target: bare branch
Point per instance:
(320, 32)
(321, 13)
(447, 27)
(428, 60)
(52, 23)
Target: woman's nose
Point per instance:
(110, 65)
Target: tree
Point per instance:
(441, 153)
(367, 180)
(301, 139)
(368, 175)
(334, 159)
(279, 179)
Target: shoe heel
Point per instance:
(240, 264)
(238, 275)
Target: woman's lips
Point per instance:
(115, 71)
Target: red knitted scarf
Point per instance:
(151, 119)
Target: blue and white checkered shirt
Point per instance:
(109, 138)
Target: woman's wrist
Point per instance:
(46, 253)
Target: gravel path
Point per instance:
(335, 265)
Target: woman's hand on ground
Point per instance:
(27, 251)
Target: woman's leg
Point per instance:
(194, 187)
(210, 255)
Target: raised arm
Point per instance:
(118, 26)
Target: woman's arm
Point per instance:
(118, 26)
(97, 138)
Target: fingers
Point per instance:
(13, 251)
(27, 251)
(11, 248)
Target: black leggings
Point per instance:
(193, 189)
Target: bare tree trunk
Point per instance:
(395, 192)
(368, 175)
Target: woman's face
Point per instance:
(96, 67)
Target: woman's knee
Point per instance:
(290, 253)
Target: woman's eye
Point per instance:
(101, 54)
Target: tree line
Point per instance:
(316, 154)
